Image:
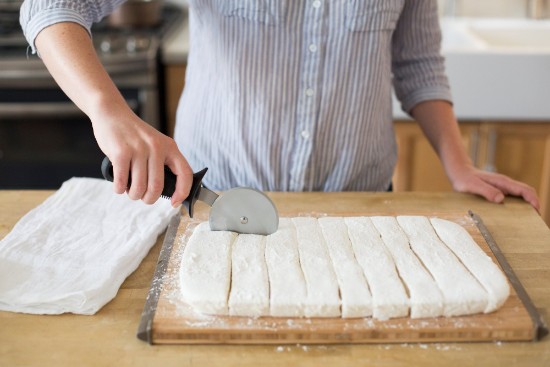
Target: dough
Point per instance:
(322, 298)
(249, 283)
(478, 263)
(286, 280)
(462, 293)
(425, 298)
(388, 294)
(205, 271)
(354, 290)
(382, 266)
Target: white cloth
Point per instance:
(72, 252)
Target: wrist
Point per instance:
(456, 165)
(105, 107)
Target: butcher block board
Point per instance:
(166, 319)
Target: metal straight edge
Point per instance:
(146, 324)
(541, 330)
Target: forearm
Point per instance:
(438, 122)
(68, 53)
(131, 144)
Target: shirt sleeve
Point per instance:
(35, 15)
(417, 64)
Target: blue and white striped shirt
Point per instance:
(293, 95)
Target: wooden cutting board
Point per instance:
(166, 319)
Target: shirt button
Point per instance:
(316, 4)
(309, 92)
(313, 47)
(305, 134)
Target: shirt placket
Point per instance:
(308, 96)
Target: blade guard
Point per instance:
(189, 203)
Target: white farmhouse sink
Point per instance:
(532, 38)
(499, 69)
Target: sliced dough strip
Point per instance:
(205, 272)
(388, 293)
(478, 263)
(462, 293)
(286, 280)
(322, 287)
(425, 298)
(354, 291)
(249, 294)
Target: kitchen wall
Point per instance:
(487, 8)
(177, 2)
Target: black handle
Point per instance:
(169, 183)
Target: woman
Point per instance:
(280, 95)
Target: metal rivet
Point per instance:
(244, 220)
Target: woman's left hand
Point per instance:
(492, 186)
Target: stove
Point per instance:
(44, 138)
(123, 51)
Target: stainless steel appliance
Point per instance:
(44, 138)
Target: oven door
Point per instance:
(45, 139)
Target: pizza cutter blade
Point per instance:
(241, 209)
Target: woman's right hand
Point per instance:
(135, 147)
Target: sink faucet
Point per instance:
(538, 9)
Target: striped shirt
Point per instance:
(294, 95)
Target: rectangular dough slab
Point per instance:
(388, 293)
(322, 287)
(249, 294)
(425, 298)
(354, 290)
(286, 280)
(205, 272)
(478, 263)
(462, 293)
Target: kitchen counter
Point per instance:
(108, 338)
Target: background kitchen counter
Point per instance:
(108, 338)
(175, 47)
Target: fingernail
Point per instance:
(499, 198)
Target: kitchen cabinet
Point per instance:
(174, 82)
(520, 150)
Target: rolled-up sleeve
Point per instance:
(417, 64)
(35, 15)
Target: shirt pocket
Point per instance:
(373, 15)
(269, 12)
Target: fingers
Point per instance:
(139, 174)
(179, 166)
(121, 168)
(476, 185)
(513, 187)
(155, 179)
(145, 174)
(494, 186)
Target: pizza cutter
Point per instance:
(240, 209)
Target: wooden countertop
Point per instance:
(108, 338)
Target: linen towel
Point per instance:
(72, 252)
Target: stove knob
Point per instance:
(131, 44)
(105, 45)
